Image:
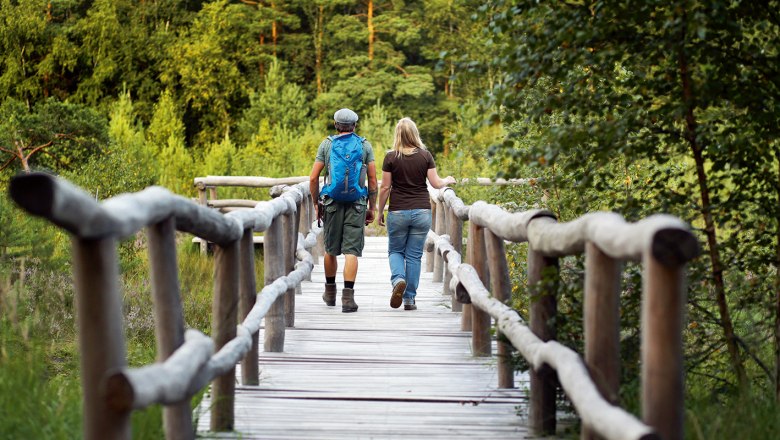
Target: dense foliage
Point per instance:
(632, 107)
(676, 104)
(228, 66)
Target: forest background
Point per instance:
(631, 107)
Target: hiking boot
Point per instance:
(330, 294)
(409, 304)
(348, 300)
(398, 294)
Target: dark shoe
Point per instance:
(398, 294)
(409, 304)
(348, 303)
(330, 295)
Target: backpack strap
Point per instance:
(331, 138)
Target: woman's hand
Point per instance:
(381, 218)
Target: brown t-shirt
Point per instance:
(409, 190)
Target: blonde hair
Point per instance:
(406, 140)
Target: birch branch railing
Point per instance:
(663, 244)
(186, 361)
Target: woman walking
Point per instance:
(404, 172)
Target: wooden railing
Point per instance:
(187, 360)
(663, 244)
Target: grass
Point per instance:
(35, 401)
(40, 389)
(749, 417)
(40, 392)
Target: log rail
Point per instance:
(187, 360)
(662, 243)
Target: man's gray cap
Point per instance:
(345, 116)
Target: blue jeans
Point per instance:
(407, 231)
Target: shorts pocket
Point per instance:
(330, 209)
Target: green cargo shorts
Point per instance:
(344, 227)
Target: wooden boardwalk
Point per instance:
(377, 373)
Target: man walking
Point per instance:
(346, 204)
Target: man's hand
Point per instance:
(381, 219)
(370, 214)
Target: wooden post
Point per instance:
(481, 342)
(304, 226)
(440, 228)
(203, 200)
(502, 291)
(602, 325)
(290, 231)
(316, 251)
(296, 217)
(663, 299)
(168, 317)
(465, 318)
(429, 255)
(455, 230)
(273, 261)
(223, 329)
(446, 276)
(212, 192)
(543, 311)
(304, 216)
(101, 334)
(247, 295)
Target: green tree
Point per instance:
(103, 41)
(680, 87)
(165, 140)
(219, 158)
(213, 64)
(443, 42)
(51, 134)
(109, 174)
(281, 102)
(319, 13)
(23, 43)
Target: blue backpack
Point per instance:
(346, 174)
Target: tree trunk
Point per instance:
(706, 211)
(371, 31)
(777, 301)
(274, 29)
(318, 48)
(23, 158)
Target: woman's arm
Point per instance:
(436, 181)
(384, 193)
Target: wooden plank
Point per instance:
(377, 373)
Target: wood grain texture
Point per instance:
(377, 373)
